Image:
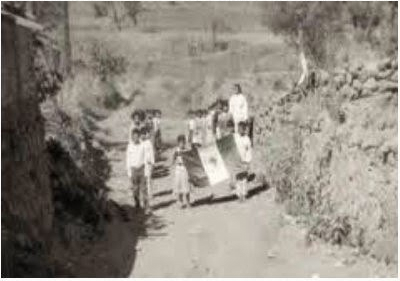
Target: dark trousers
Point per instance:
(139, 190)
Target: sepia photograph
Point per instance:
(199, 139)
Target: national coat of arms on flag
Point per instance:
(213, 163)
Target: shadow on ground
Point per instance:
(114, 253)
(210, 200)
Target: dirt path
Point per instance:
(225, 238)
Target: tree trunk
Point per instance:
(116, 19)
(67, 42)
(303, 59)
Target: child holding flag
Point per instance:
(244, 147)
(181, 184)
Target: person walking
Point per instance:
(135, 160)
(238, 106)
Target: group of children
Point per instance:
(204, 126)
(143, 146)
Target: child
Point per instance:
(238, 106)
(182, 185)
(203, 122)
(197, 132)
(149, 123)
(135, 159)
(157, 129)
(230, 127)
(243, 144)
(224, 117)
(136, 122)
(148, 160)
(209, 124)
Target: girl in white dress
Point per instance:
(181, 182)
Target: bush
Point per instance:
(100, 9)
(113, 98)
(105, 64)
(316, 26)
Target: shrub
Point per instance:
(106, 64)
(113, 98)
(100, 9)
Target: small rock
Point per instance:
(315, 275)
(349, 78)
(388, 86)
(394, 77)
(349, 261)
(338, 264)
(385, 64)
(271, 254)
(371, 84)
(384, 74)
(357, 84)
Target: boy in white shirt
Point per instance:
(238, 107)
(148, 160)
(244, 147)
(135, 159)
(136, 122)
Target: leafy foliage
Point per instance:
(118, 11)
(106, 64)
(315, 25)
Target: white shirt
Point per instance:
(243, 145)
(191, 125)
(238, 107)
(156, 123)
(148, 152)
(135, 156)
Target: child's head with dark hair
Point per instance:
(148, 112)
(198, 113)
(135, 116)
(181, 139)
(144, 133)
(135, 135)
(238, 88)
(225, 106)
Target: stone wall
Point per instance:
(331, 152)
(27, 210)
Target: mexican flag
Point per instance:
(212, 164)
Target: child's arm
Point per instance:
(249, 155)
(191, 129)
(128, 166)
(174, 156)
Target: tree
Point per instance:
(307, 26)
(119, 11)
(313, 26)
(133, 8)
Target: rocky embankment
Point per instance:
(331, 152)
